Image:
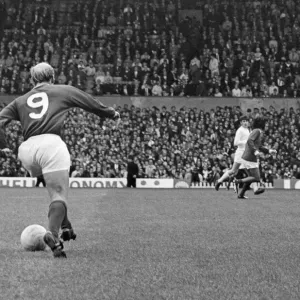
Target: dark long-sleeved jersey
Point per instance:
(42, 110)
(254, 143)
(132, 169)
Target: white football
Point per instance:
(32, 238)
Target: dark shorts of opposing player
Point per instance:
(44, 154)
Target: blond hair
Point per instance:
(42, 72)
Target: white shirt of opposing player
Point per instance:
(241, 137)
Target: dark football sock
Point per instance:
(66, 224)
(244, 189)
(56, 215)
(230, 179)
(240, 174)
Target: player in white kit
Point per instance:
(240, 140)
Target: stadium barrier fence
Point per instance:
(98, 183)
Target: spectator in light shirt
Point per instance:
(156, 89)
(272, 88)
(236, 92)
(90, 70)
(214, 65)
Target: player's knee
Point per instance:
(59, 189)
(233, 172)
(257, 178)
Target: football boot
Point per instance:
(55, 244)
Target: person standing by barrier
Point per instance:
(40, 180)
(132, 172)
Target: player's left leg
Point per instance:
(253, 176)
(227, 175)
(257, 188)
(57, 184)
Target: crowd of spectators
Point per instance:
(187, 144)
(223, 48)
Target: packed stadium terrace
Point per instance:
(159, 48)
(184, 48)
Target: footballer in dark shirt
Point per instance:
(250, 157)
(41, 113)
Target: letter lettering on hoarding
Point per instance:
(109, 184)
(86, 184)
(98, 184)
(74, 184)
(122, 184)
(297, 185)
(4, 183)
(17, 183)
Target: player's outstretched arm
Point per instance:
(7, 114)
(266, 150)
(81, 99)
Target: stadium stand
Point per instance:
(160, 48)
(227, 48)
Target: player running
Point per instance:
(41, 112)
(240, 140)
(250, 157)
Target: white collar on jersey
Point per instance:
(40, 84)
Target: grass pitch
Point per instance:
(156, 244)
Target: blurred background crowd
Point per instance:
(159, 48)
(187, 144)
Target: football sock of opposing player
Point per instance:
(245, 188)
(56, 215)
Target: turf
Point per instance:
(156, 244)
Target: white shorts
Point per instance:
(44, 153)
(238, 158)
(250, 164)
